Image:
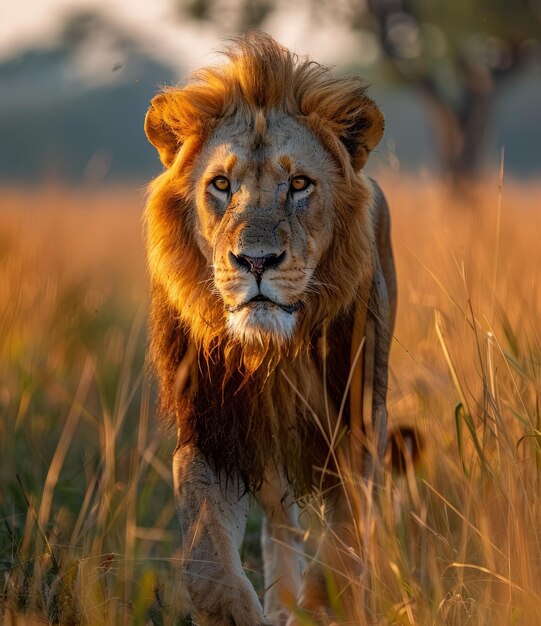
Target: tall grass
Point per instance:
(86, 511)
(460, 541)
(87, 529)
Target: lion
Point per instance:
(273, 299)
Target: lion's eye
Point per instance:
(299, 183)
(221, 183)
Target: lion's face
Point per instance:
(259, 229)
(264, 210)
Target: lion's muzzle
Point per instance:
(288, 308)
(256, 265)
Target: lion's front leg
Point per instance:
(281, 545)
(213, 515)
(331, 590)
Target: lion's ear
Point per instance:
(159, 130)
(362, 125)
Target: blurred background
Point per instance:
(456, 80)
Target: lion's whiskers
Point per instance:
(315, 285)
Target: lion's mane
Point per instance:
(246, 404)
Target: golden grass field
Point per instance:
(87, 527)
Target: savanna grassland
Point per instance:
(87, 528)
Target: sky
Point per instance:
(25, 23)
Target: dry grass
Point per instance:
(87, 519)
(85, 501)
(462, 543)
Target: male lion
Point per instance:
(273, 301)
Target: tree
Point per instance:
(458, 53)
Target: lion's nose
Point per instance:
(257, 264)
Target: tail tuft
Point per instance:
(404, 449)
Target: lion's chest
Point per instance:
(283, 417)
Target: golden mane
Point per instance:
(215, 388)
(262, 75)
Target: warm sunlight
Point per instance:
(219, 402)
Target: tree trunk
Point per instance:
(461, 131)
